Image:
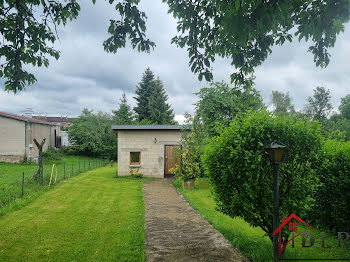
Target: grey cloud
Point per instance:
(86, 76)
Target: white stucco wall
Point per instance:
(65, 138)
(39, 132)
(16, 138)
(12, 139)
(152, 154)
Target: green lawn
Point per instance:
(249, 240)
(11, 175)
(91, 217)
(12, 172)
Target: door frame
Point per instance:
(168, 175)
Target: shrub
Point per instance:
(51, 154)
(332, 204)
(92, 135)
(242, 176)
(70, 150)
(189, 167)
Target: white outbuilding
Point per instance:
(151, 149)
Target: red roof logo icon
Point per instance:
(292, 226)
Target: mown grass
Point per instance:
(11, 176)
(91, 217)
(252, 241)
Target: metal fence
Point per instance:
(25, 185)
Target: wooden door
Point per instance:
(172, 158)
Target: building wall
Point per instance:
(65, 138)
(16, 138)
(12, 140)
(152, 154)
(39, 132)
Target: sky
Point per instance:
(87, 77)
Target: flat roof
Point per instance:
(147, 127)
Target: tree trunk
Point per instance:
(38, 174)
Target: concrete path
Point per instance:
(175, 232)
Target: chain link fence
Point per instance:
(25, 185)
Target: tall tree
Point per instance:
(344, 107)
(124, 115)
(243, 31)
(159, 110)
(319, 106)
(143, 92)
(219, 104)
(281, 103)
(338, 125)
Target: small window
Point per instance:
(135, 158)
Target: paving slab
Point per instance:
(176, 232)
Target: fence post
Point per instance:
(22, 184)
(64, 170)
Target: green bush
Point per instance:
(91, 135)
(242, 176)
(70, 150)
(189, 167)
(51, 154)
(331, 209)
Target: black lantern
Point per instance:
(276, 152)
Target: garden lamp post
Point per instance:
(275, 152)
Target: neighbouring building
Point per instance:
(151, 149)
(64, 138)
(57, 120)
(18, 132)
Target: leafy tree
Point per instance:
(159, 110)
(319, 105)
(143, 92)
(124, 115)
(244, 31)
(219, 104)
(242, 176)
(337, 135)
(336, 127)
(282, 103)
(91, 134)
(28, 30)
(344, 107)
